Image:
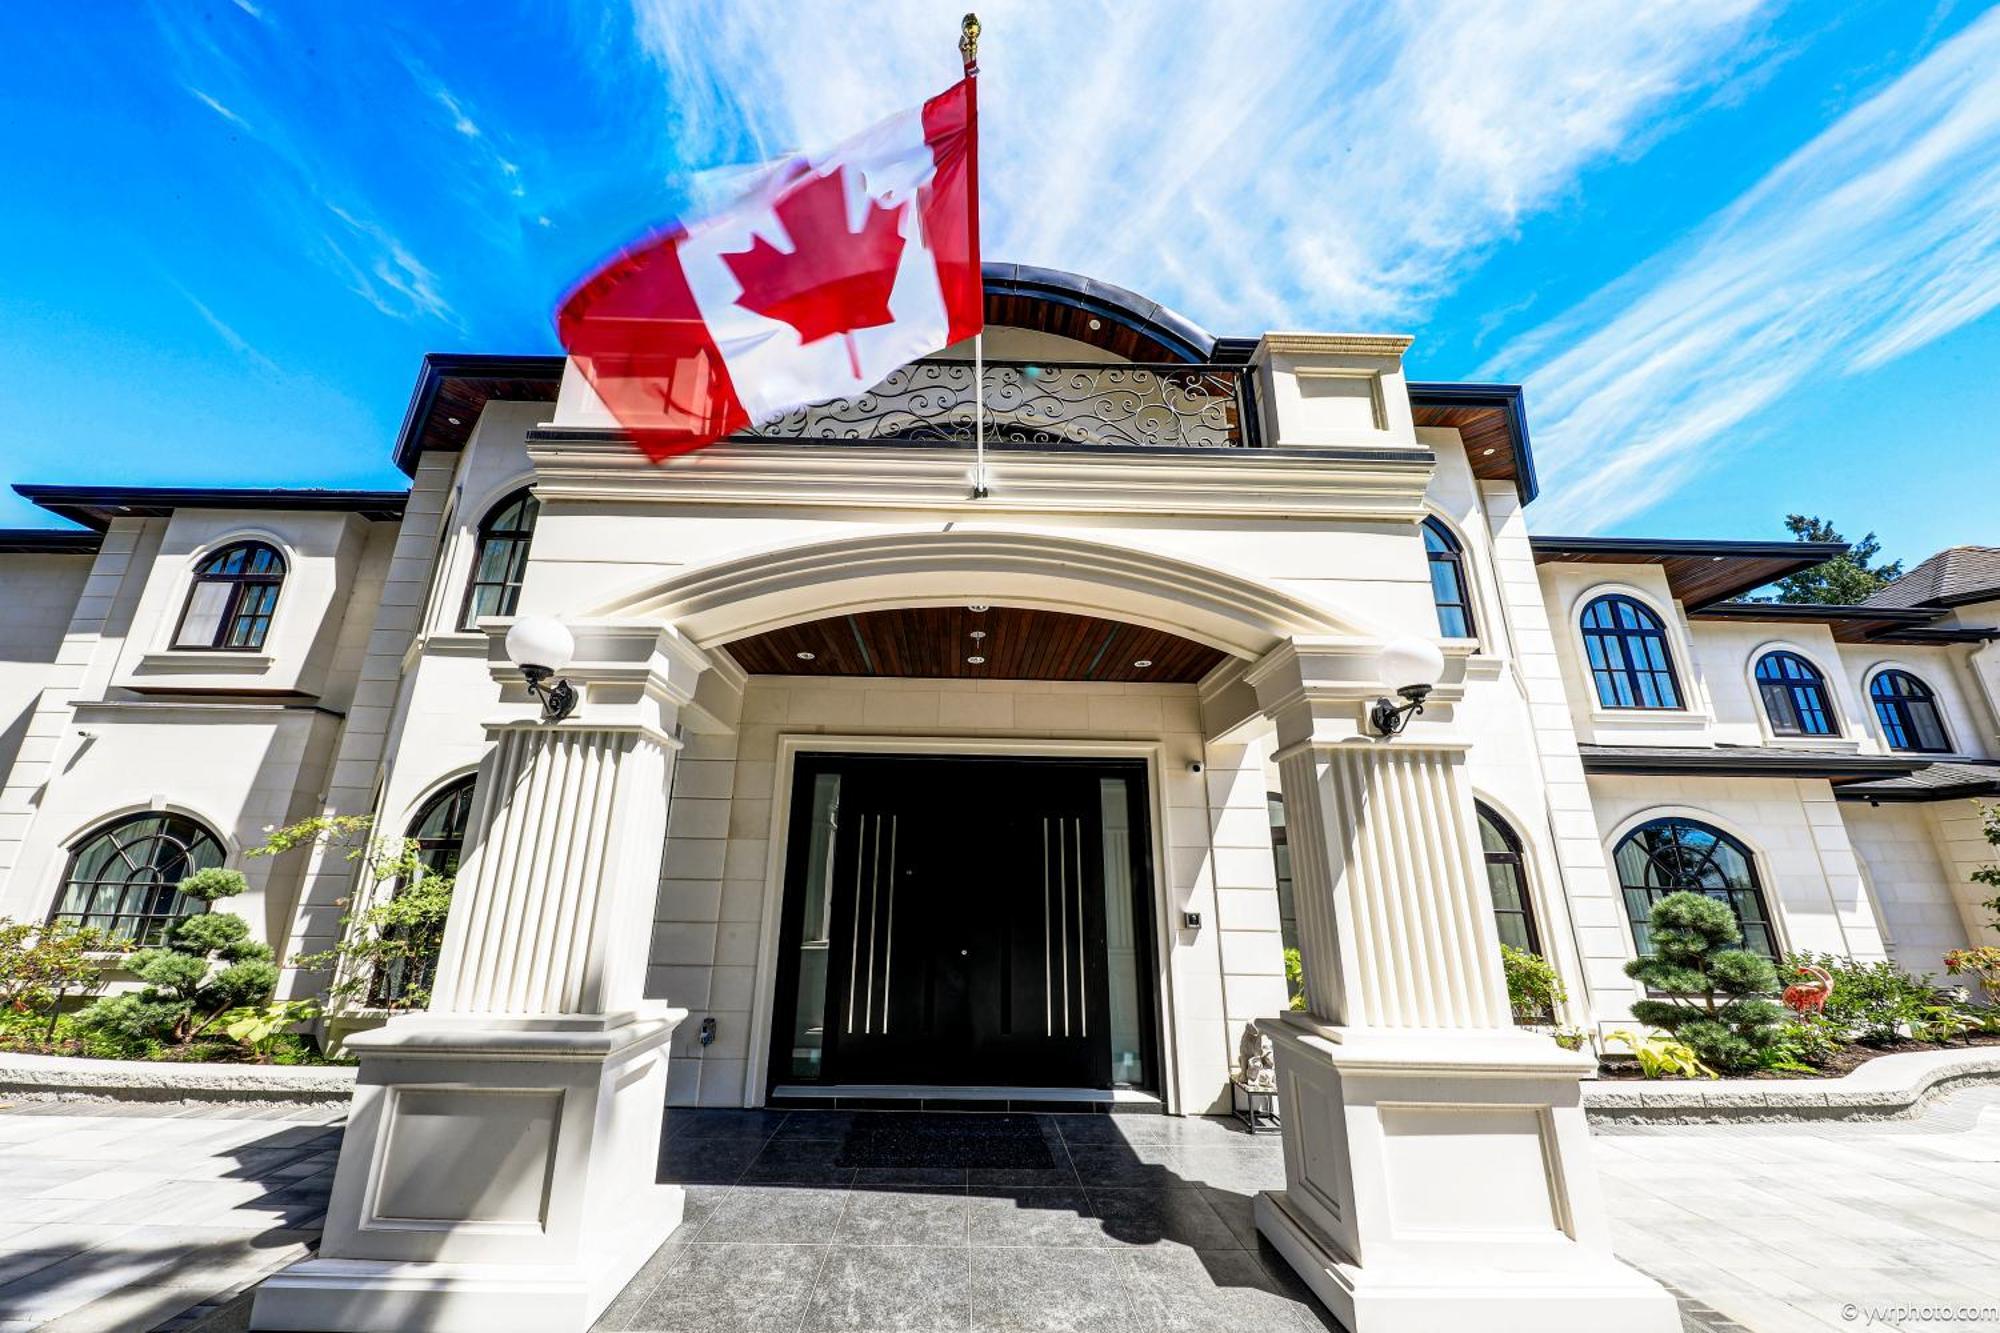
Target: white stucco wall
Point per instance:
(1923, 909)
(37, 597)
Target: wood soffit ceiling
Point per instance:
(937, 641)
(1487, 432)
(1699, 574)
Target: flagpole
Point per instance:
(968, 47)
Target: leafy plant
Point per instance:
(1570, 1039)
(388, 949)
(42, 965)
(258, 1027)
(1534, 991)
(1295, 978)
(1989, 822)
(1942, 1022)
(1807, 1040)
(208, 965)
(1872, 1003)
(1981, 963)
(1715, 994)
(1661, 1057)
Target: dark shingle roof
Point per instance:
(1949, 578)
(1933, 782)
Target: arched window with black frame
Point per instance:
(1626, 646)
(234, 595)
(1666, 856)
(1908, 711)
(439, 834)
(1507, 879)
(1450, 588)
(122, 877)
(1795, 696)
(501, 559)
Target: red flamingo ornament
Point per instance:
(1809, 997)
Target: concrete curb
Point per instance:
(66, 1078)
(1890, 1087)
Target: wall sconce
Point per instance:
(542, 646)
(1418, 665)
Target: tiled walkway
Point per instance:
(121, 1219)
(132, 1217)
(840, 1222)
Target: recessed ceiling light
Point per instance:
(1488, 453)
(1096, 324)
(1715, 559)
(807, 657)
(977, 606)
(453, 421)
(1143, 662)
(976, 661)
(979, 634)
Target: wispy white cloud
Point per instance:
(1286, 162)
(1874, 239)
(235, 341)
(218, 108)
(461, 121)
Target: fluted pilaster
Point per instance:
(550, 912)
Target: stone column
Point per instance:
(1437, 1162)
(500, 1162)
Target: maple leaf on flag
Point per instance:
(835, 280)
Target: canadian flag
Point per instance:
(831, 272)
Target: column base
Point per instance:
(1439, 1179)
(497, 1177)
(1489, 1299)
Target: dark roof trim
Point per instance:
(1933, 782)
(48, 541)
(1508, 398)
(441, 366)
(1701, 573)
(1655, 548)
(1852, 624)
(1942, 634)
(95, 506)
(1103, 299)
(1741, 762)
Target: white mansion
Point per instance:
(903, 792)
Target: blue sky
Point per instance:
(1744, 255)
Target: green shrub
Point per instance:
(208, 966)
(1715, 994)
(1661, 1057)
(1295, 978)
(1534, 991)
(42, 964)
(1872, 1003)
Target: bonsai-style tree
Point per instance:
(208, 966)
(1715, 994)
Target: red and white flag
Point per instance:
(830, 273)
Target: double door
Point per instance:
(958, 911)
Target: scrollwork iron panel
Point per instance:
(1046, 403)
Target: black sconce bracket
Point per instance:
(1390, 719)
(558, 700)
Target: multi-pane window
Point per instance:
(1449, 586)
(1794, 695)
(1626, 646)
(123, 878)
(234, 593)
(502, 558)
(1669, 855)
(1507, 878)
(1909, 713)
(439, 834)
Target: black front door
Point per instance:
(948, 918)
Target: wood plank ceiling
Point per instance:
(1015, 643)
(1488, 436)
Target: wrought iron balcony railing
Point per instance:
(1042, 403)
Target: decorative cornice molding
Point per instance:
(1369, 483)
(1336, 344)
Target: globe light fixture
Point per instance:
(1412, 667)
(541, 646)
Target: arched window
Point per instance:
(1507, 878)
(502, 559)
(439, 833)
(1450, 589)
(1627, 648)
(235, 591)
(122, 877)
(1668, 855)
(1909, 713)
(1795, 696)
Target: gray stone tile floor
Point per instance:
(117, 1217)
(126, 1219)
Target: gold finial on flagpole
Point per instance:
(968, 42)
